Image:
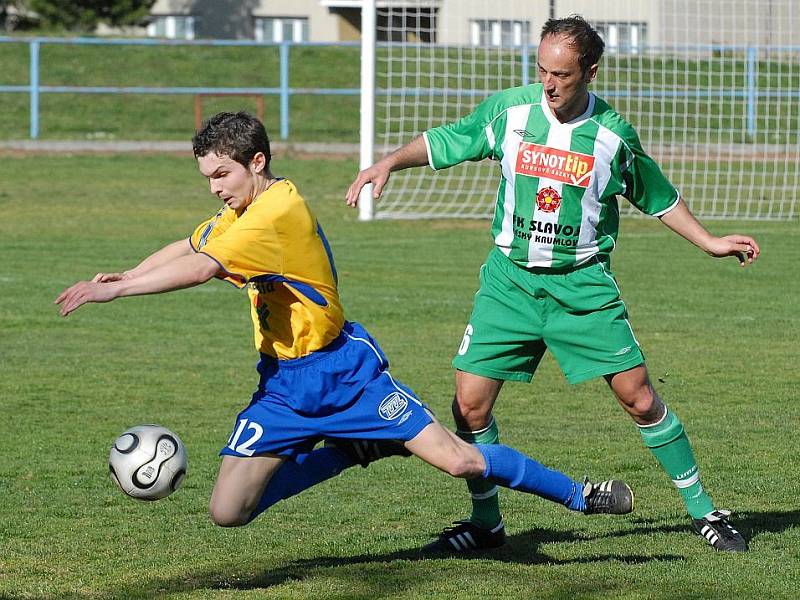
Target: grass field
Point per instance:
(631, 83)
(721, 341)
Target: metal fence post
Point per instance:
(366, 207)
(284, 89)
(526, 63)
(752, 91)
(34, 88)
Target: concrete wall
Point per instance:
(455, 17)
(624, 11)
(233, 19)
(734, 22)
(323, 25)
(668, 21)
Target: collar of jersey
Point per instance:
(579, 120)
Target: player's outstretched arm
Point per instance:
(182, 272)
(168, 253)
(683, 222)
(413, 154)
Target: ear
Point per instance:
(258, 162)
(591, 73)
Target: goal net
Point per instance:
(712, 87)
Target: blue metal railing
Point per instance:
(284, 91)
(34, 89)
(751, 92)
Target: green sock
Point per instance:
(669, 444)
(485, 502)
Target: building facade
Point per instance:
(626, 25)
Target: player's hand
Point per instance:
(743, 247)
(109, 277)
(82, 292)
(377, 175)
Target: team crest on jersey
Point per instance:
(392, 406)
(566, 166)
(548, 200)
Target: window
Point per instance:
(403, 24)
(172, 27)
(623, 37)
(281, 29)
(493, 32)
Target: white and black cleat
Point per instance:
(464, 537)
(612, 497)
(719, 533)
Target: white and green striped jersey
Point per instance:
(557, 199)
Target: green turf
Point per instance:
(720, 341)
(627, 82)
(160, 117)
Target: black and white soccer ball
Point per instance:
(148, 462)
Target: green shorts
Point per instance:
(519, 313)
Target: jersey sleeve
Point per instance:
(246, 248)
(469, 138)
(210, 228)
(646, 187)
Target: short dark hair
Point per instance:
(584, 38)
(238, 135)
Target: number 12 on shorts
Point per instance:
(246, 446)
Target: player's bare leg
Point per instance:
(447, 452)
(474, 399)
(239, 487)
(472, 411)
(663, 434)
(509, 468)
(636, 395)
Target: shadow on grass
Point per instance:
(753, 523)
(372, 575)
(749, 523)
(379, 574)
(522, 548)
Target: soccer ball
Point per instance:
(148, 462)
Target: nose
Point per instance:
(216, 186)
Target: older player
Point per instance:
(565, 157)
(321, 377)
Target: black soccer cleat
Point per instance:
(465, 537)
(718, 532)
(363, 452)
(612, 497)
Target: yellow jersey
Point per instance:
(279, 252)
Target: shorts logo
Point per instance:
(572, 168)
(392, 406)
(548, 200)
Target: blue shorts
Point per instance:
(343, 391)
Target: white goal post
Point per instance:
(712, 87)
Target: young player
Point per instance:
(321, 377)
(565, 156)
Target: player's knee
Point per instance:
(464, 463)
(643, 403)
(636, 394)
(471, 415)
(227, 515)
